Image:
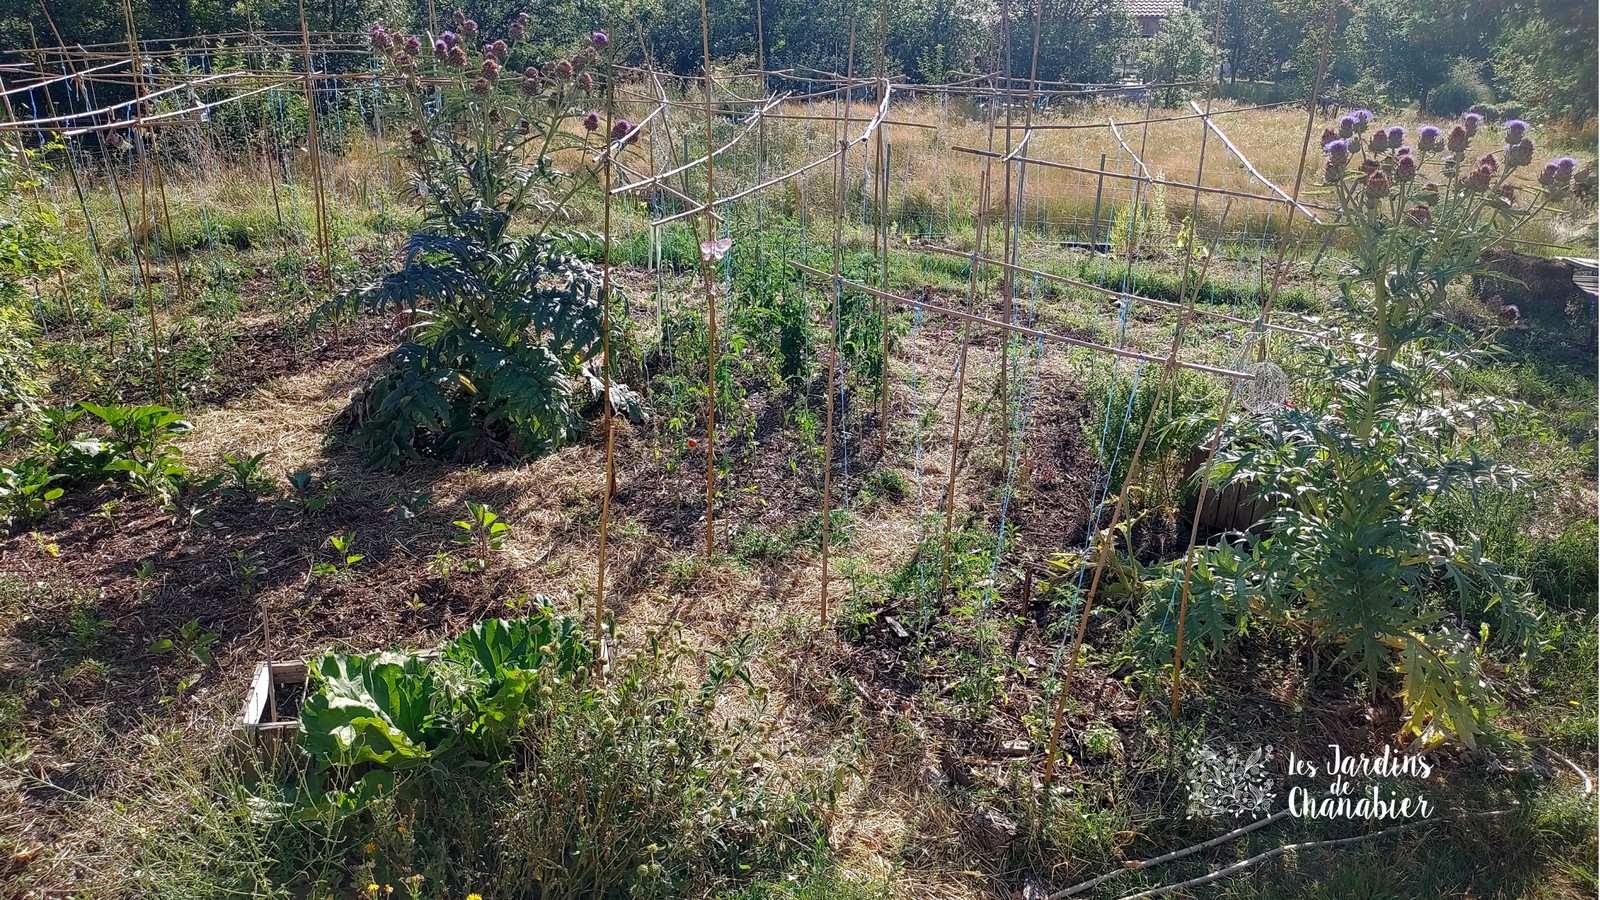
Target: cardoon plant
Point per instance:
(1375, 435)
(505, 318)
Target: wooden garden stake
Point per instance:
(607, 419)
(833, 326)
(312, 138)
(711, 295)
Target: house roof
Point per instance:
(1155, 8)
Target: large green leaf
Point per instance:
(383, 708)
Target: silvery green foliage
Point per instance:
(1226, 782)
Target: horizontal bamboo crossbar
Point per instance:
(1047, 336)
(1128, 297)
(1180, 185)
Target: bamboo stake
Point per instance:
(607, 420)
(833, 330)
(313, 138)
(142, 260)
(711, 297)
(961, 363)
(880, 234)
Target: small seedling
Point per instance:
(307, 494)
(344, 549)
(483, 531)
(248, 477)
(409, 506)
(248, 565)
(190, 640)
(145, 574)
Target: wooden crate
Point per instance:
(263, 731)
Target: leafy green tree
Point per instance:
(1180, 52)
(1545, 60)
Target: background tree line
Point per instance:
(1534, 58)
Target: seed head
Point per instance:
(458, 57)
(1458, 139)
(482, 86)
(1520, 154)
(517, 30)
(1377, 186)
(1405, 169)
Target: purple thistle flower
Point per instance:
(440, 49)
(1338, 152)
(1347, 126)
(530, 83)
(470, 28)
(1510, 313)
(499, 48)
(517, 31)
(1470, 122)
(524, 126)
(1397, 136)
(450, 38)
(1566, 164)
(600, 40)
(1548, 177)
(620, 129)
(1430, 139)
(524, 19)
(591, 122)
(1515, 129)
(460, 17)
(1363, 118)
(413, 45)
